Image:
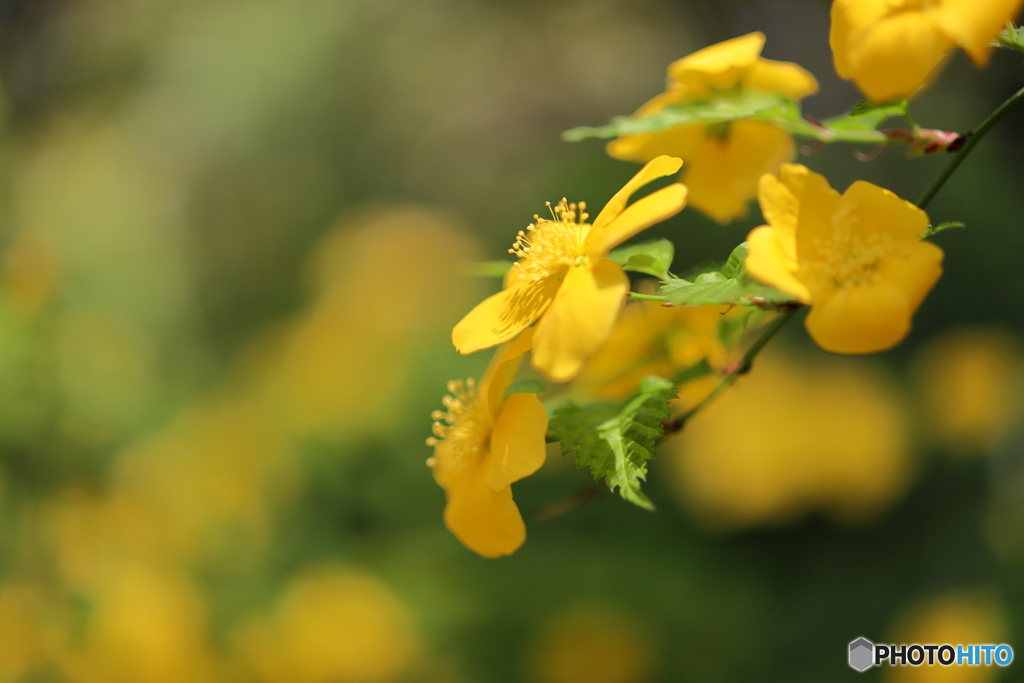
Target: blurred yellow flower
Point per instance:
(969, 381)
(960, 618)
(146, 625)
(792, 437)
(563, 279)
(215, 469)
(486, 443)
(651, 339)
(891, 48)
(591, 644)
(29, 270)
(724, 161)
(339, 365)
(856, 258)
(333, 625)
(24, 638)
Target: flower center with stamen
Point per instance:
(848, 258)
(549, 247)
(461, 430)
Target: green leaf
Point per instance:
(653, 258)
(716, 288)
(486, 268)
(734, 264)
(867, 116)
(526, 385)
(933, 229)
(574, 427)
(1012, 38)
(787, 115)
(616, 444)
(740, 106)
(730, 286)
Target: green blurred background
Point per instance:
(231, 236)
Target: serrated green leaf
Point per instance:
(486, 268)
(740, 106)
(867, 116)
(734, 264)
(1012, 38)
(574, 427)
(653, 258)
(933, 229)
(616, 444)
(730, 286)
(787, 115)
(526, 385)
(715, 288)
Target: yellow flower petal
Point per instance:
(486, 521)
(849, 19)
(780, 204)
(858, 320)
(882, 211)
(898, 55)
(674, 95)
(819, 204)
(579, 320)
(789, 79)
(518, 443)
(654, 169)
(682, 142)
(976, 24)
(640, 215)
(502, 370)
(768, 263)
(719, 66)
(914, 268)
(724, 174)
(797, 197)
(504, 315)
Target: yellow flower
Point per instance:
(333, 624)
(564, 652)
(23, 631)
(958, 618)
(794, 436)
(146, 624)
(563, 279)
(890, 48)
(489, 442)
(651, 339)
(723, 162)
(969, 382)
(856, 258)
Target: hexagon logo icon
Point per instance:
(862, 654)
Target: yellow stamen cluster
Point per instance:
(462, 429)
(549, 247)
(848, 258)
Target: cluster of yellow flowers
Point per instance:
(727, 118)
